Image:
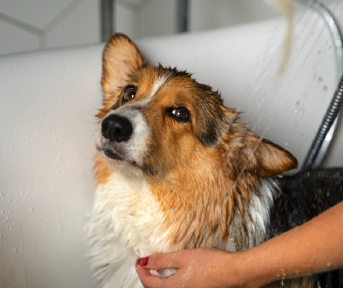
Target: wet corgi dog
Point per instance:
(175, 170)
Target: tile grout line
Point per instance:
(21, 25)
(69, 9)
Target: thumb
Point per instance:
(157, 262)
(160, 261)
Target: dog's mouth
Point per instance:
(116, 159)
(112, 154)
(115, 155)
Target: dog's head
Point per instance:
(159, 122)
(160, 125)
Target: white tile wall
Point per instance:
(157, 19)
(27, 25)
(125, 20)
(15, 39)
(79, 26)
(38, 13)
(206, 14)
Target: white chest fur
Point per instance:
(126, 224)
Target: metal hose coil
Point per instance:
(324, 135)
(329, 118)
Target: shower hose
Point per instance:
(327, 128)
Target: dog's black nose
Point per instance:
(116, 128)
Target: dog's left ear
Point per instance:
(267, 159)
(120, 59)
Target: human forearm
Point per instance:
(313, 247)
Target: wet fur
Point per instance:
(207, 182)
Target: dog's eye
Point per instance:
(180, 114)
(129, 94)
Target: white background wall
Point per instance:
(36, 238)
(27, 25)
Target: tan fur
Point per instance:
(203, 184)
(102, 170)
(120, 58)
(210, 184)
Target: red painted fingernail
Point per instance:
(143, 261)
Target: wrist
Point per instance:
(253, 268)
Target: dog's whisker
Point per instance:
(85, 156)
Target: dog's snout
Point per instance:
(116, 128)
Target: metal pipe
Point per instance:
(182, 16)
(107, 15)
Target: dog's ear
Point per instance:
(245, 151)
(120, 59)
(267, 159)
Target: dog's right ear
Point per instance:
(120, 59)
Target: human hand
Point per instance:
(195, 268)
(301, 251)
